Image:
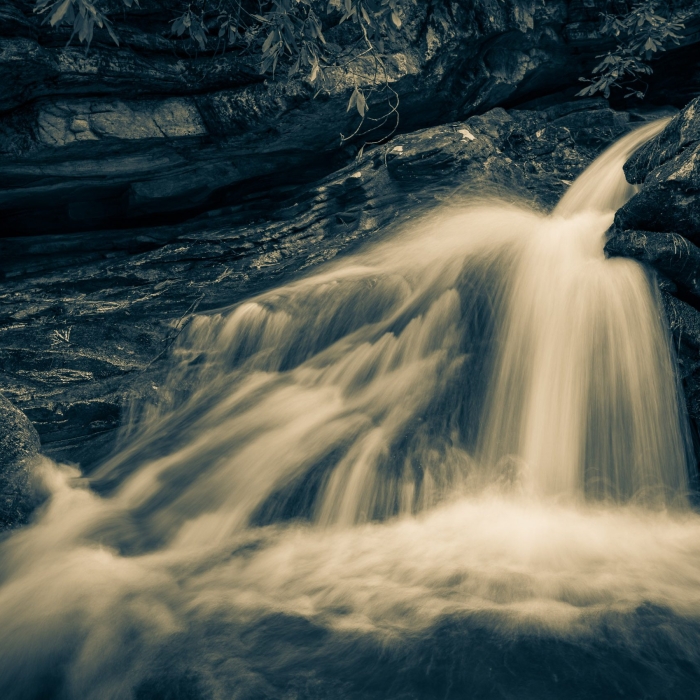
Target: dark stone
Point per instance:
(669, 168)
(670, 254)
(684, 324)
(662, 208)
(681, 132)
(19, 446)
(14, 21)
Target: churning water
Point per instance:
(451, 465)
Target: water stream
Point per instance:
(454, 464)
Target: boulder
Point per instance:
(668, 166)
(683, 131)
(674, 256)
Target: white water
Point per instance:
(583, 393)
(476, 415)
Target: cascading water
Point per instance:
(584, 394)
(452, 464)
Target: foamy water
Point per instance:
(454, 464)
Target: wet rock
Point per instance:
(62, 122)
(14, 21)
(684, 324)
(19, 446)
(663, 208)
(35, 70)
(669, 168)
(87, 319)
(683, 131)
(674, 256)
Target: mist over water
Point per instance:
(454, 464)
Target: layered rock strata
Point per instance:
(152, 132)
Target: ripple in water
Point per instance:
(452, 465)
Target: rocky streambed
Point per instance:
(86, 319)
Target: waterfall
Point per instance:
(584, 394)
(450, 422)
(481, 340)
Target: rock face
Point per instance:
(19, 445)
(660, 226)
(133, 135)
(85, 319)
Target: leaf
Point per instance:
(361, 103)
(287, 25)
(271, 37)
(85, 23)
(115, 38)
(317, 27)
(59, 13)
(88, 34)
(198, 34)
(396, 19)
(178, 26)
(353, 100)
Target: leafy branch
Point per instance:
(358, 99)
(276, 32)
(649, 28)
(82, 15)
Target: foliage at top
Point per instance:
(82, 15)
(274, 32)
(649, 28)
